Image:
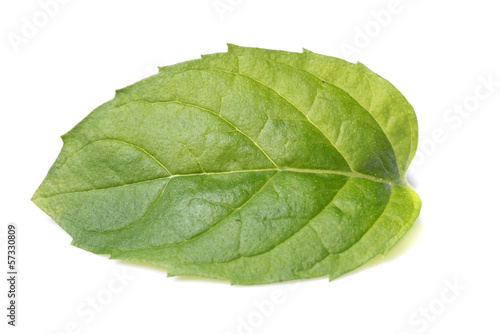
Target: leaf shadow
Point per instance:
(143, 265)
(163, 270)
(408, 241)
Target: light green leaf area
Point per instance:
(251, 166)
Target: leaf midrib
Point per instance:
(296, 170)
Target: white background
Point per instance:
(437, 53)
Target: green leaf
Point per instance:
(251, 166)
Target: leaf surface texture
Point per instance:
(251, 166)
